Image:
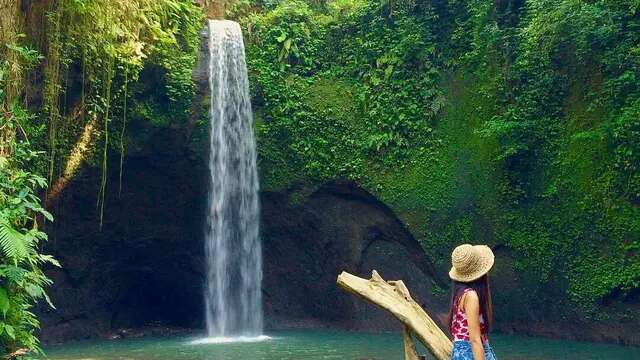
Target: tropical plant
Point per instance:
(22, 280)
(513, 121)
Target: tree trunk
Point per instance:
(394, 297)
(10, 26)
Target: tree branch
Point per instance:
(394, 297)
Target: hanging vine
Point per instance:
(124, 125)
(105, 150)
(51, 92)
(111, 42)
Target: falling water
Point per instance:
(233, 298)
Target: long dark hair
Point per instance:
(481, 287)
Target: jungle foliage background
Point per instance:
(513, 123)
(509, 122)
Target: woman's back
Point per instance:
(459, 322)
(471, 312)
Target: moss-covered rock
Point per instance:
(470, 133)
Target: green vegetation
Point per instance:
(22, 280)
(87, 91)
(21, 274)
(107, 46)
(512, 123)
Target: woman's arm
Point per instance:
(471, 306)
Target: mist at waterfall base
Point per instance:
(233, 300)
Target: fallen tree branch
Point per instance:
(394, 297)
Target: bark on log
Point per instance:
(394, 297)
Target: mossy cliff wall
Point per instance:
(481, 122)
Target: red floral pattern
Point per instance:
(460, 325)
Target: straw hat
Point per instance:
(470, 262)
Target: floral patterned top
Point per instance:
(459, 324)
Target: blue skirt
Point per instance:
(462, 351)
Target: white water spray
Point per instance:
(233, 299)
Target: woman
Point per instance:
(471, 313)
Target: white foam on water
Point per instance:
(230, 339)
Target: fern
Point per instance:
(14, 244)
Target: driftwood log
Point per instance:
(394, 297)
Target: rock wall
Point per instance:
(307, 242)
(145, 267)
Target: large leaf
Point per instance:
(49, 259)
(13, 243)
(34, 291)
(12, 273)
(4, 302)
(10, 331)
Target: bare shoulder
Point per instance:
(470, 299)
(472, 294)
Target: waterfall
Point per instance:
(233, 299)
